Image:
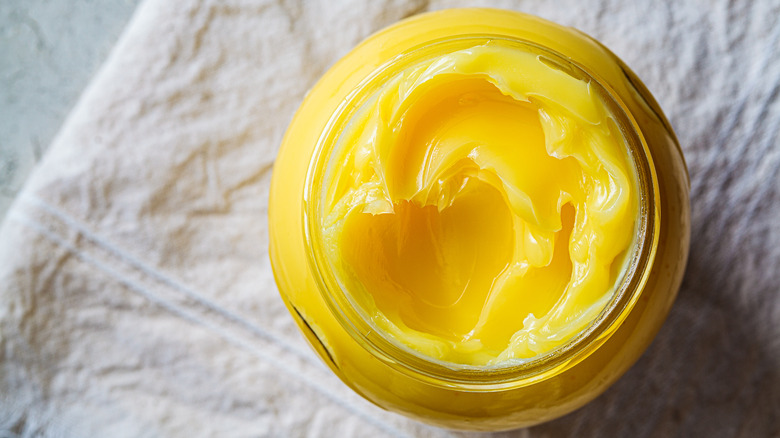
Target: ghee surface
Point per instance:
(479, 204)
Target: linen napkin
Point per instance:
(136, 295)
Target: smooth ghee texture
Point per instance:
(480, 205)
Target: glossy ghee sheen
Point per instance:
(479, 219)
(479, 201)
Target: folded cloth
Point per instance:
(136, 294)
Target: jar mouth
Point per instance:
(510, 373)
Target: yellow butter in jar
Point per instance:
(479, 218)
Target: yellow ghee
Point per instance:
(479, 219)
(480, 201)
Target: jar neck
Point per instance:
(512, 374)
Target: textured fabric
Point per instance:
(136, 295)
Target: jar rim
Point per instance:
(512, 373)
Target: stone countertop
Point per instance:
(49, 51)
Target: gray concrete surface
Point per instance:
(49, 50)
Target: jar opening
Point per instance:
(361, 326)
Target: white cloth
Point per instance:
(136, 296)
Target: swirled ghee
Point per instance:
(479, 204)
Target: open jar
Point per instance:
(384, 350)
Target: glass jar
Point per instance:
(473, 397)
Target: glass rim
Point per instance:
(513, 373)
